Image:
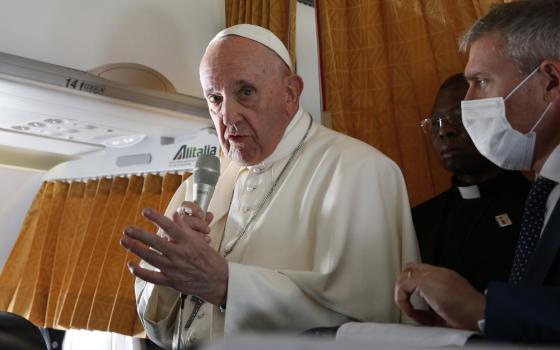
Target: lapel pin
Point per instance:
(503, 220)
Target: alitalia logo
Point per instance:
(186, 152)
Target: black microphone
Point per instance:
(206, 172)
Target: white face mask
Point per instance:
(486, 122)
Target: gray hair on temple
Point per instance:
(530, 31)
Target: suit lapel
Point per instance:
(547, 250)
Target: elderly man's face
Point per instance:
(491, 73)
(245, 86)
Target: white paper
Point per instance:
(402, 335)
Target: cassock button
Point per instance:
(251, 188)
(246, 210)
(258, 169)
(200, 315)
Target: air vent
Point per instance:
(75, 130)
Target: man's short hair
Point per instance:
(530, 30)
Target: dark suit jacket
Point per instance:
(531, 311)
(480, 249)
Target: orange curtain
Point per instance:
(382, 62)
(279, 16)
(67, 268)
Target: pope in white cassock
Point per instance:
(329, 226)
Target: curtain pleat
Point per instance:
(42, 288)
(65, 237)
(90, 205)
(67, 268)
(123, 311)
(25, 286)
(109, 274)
(85, 252)
(97, 246)
(277, 16)
(17, 259)
(382, 62)
(170, 183)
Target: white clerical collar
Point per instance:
(469, 192)
(292, 136)
(551, 167)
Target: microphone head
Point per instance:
(207, 170)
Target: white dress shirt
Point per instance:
(551, 170)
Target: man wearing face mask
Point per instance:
(514, 53)
(471, 228)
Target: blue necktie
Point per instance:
(531, 226)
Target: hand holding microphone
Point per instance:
(190, 216)
(184, 261)
(194, 214)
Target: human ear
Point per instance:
(551, 72)
(294, 87)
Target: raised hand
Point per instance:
(184, 259)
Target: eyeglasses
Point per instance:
(432, 123)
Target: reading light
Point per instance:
(123, 141)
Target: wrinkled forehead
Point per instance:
(234, 59)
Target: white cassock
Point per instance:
(325, 250)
